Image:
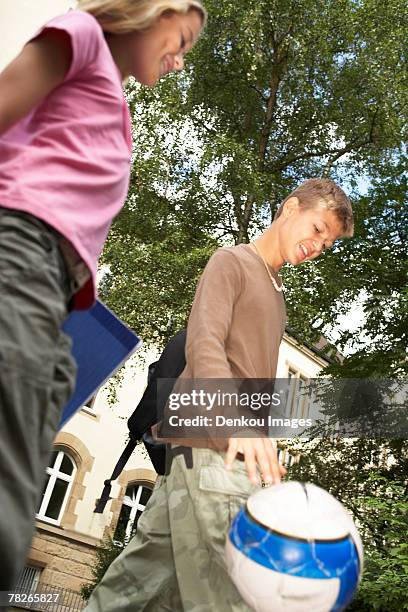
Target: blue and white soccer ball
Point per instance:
(294, 547)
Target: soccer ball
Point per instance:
(293, 547)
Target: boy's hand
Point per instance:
(257, 451)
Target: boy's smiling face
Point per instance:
(306, 232)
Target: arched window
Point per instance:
(136, 497)
(60, 475)
(285, 458)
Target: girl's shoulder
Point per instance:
(75, 20)
(85, 35)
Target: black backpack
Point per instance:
(149, 411)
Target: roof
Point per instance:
(322, 348)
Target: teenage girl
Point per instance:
(65, 147)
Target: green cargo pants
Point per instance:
(175, 562)
(37, 374)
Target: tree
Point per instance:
(370, 479)
(384, 584)
(275, 92)
(105, 554)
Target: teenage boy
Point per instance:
(176, 560)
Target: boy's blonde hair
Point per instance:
(324, 193)
(124, 16)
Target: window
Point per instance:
(28, 579)
(59, 478)
(285, 458)
(297, 404)
(89, 405)
(136, 497)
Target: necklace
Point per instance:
(273, 281)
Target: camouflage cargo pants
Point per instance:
(175, 562)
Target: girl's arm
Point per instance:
(40, 67)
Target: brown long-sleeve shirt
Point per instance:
(236, 324)
(237, 319)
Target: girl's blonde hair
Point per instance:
(124, 16)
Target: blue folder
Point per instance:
(101, 343)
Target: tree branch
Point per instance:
(341, 152)
(243, 225)
(285, 163)
(279, 69)
(336, 153)
(208, 129)
(333, 159)
(258, 91)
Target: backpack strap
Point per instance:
(117, 470)
(149, 411)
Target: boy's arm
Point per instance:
(211, 316)
(37, 70)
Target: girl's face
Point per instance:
(155, 52)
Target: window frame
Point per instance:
(134, 505)
(89, 406)
(297, 407)
(54, 475)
